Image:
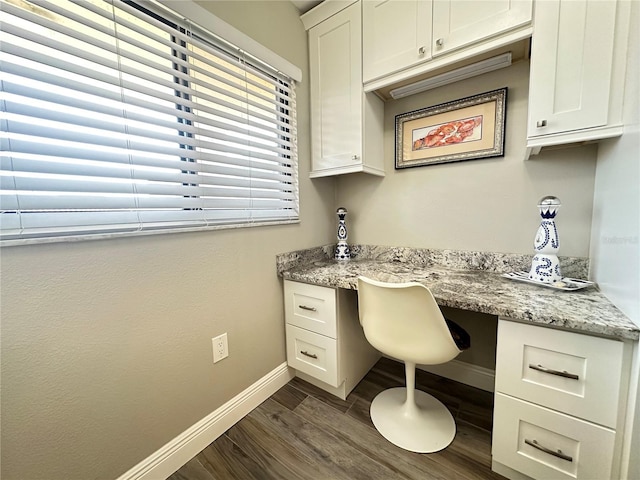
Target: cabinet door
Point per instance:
(457, 23)
(395, 34)
(335, 60)
(571, 62)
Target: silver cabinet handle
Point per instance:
(354, 157)
(541, 123)
(304, 307)
(307, 354)
(556, 453)
(564, 374)
(421, 51)
(440, 42)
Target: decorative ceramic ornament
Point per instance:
(342, 248)
(545, 266)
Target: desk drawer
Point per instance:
(310, 307)
(586, 450)
(313, 354)
(569, 372)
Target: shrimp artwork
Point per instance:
(448, 133)
(465, 129)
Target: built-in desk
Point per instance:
(543, 334)
(455, 283)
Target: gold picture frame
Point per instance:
(465, 129)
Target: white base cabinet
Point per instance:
(325, 342)
(559, 403)
(542, 443)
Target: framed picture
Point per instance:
(464, 129)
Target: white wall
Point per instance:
(615, 235)
(106, 345)
(486, 204)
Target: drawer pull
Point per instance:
(304, 307)
(564, 374)
(310, 355)
(558, 453)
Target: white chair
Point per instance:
(403, 321)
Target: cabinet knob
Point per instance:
(541, 123)
(440, 42)
(355, 157)
(421, 51)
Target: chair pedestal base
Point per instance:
(424, 427)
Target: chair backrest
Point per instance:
(403, 321)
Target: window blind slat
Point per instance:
(115, 120)
(171, 170)
(161, 77)
(52, 130)
(108, 73)
(40, 104)
(163, 106)
(208, 47)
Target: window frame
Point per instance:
(159, 14)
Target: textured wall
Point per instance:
(615, 238)
(106, 345)
(486, 204)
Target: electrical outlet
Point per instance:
(220, 347)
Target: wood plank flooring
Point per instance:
(302, 432)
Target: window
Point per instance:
(118, 118)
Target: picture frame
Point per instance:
(466, 129)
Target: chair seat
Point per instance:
(459, 335)
(424, 427)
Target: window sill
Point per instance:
(107, 236)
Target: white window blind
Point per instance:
(116, 118)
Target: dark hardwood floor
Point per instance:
(302, 432)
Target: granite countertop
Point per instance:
(468, 281)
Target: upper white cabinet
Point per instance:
(457, 23)
(395, 35)
(342, 115)
(577, 71)
(406, 38)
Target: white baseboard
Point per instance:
(479, 377)
(168, 459)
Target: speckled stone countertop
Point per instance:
(468, 281)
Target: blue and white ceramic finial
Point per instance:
(342, 248)
(549, 206)
(545, 266)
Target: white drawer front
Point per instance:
(544, 444)
(310, 307)
(313, 354)
(570, 372)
